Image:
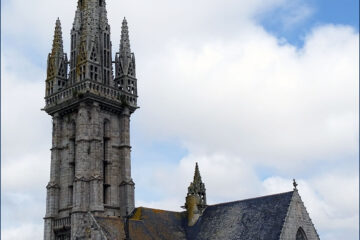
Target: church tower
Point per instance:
(90, 108)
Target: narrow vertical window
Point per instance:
(106, 190)
(72, 135)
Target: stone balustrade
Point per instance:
(62, 223)
(92, 87)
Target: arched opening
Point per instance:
(300, 235)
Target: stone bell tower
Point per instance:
(90, 109)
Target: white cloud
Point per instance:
(253, 98)
(25, 232)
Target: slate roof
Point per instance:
(259, 218)
(112, 227)
(252, 219)
(156, 224)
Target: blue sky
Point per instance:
(258, 92)
(344, 12)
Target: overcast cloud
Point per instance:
(252, 109)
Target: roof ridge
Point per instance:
(156, 209)
(247, 199)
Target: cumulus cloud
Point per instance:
(237, 99)
(269, 103)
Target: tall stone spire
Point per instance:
(56, 64)
(196, 198)
(90, 44)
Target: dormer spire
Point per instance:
(196, 198)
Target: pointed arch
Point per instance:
(300, 235)
(131, 69)
(120, 69)
(93, 55)
(61, 71)
(82, 54)
(50, 68)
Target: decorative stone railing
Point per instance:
(62, 223)
(89, 86)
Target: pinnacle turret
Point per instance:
(57, 63)
(125, 69)
(125, 50)
(57, 47)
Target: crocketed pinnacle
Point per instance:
(125, 42)
(197, 187)
(57, 48)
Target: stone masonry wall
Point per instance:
(297, 217)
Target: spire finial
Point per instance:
(57, 48)
(295, 184)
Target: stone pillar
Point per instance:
(52, 199)
(82, 169)
(48, 232)
(96, 161)
(127, 185)
(96, 194)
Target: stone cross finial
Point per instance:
(295, 184)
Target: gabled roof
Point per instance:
(250, 219)
(259, 218)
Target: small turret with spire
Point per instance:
(196, 198)
(56, 64)
(125, 71)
